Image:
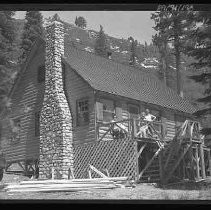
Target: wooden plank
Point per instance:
(141, 150)
(192, 175)
(161, 170)
(209, 157)
(62, 189)
(137, 161)
(76, 180)
(197, 163)
(134, 129)
(104, 134)
(54, 186)
(90, 175)
(97, 171)
(183, 167)
(202, 161)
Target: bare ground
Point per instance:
(140, 192)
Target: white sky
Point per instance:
(115, 23)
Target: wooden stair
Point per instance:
(164, 167)
(152, 174)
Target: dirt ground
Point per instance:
(140, 192)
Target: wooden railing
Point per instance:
(130, 128)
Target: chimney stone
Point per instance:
(56, 149)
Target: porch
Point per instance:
(146, 159)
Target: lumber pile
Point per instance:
(68, 185)
(55, 185)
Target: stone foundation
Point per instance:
(56, 150)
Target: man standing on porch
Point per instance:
(149, 118)
(142, 126)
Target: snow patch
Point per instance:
(89, 49)
(148, 66)
(124, 52)
(114, 47)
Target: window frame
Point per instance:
(85, 123)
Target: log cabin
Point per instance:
(69, 97)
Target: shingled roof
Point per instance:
(106, 75)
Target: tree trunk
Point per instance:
(177, 56)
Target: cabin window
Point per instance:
(82, 112)
(37, 123)
(41, 74)
(16, 129)
(108, 109)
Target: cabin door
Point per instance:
(133, 112)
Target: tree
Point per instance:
(76, 21)
(133, 51)
(7, 67)
(80, 22)
(199, 47)
(172, 23)
(32, 28)
(101, 47)
(7, 72)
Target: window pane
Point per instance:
(83, 112)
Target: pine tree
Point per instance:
(76, 21)
(133, 49)
(199, 47)
(7, 67)
(171, 24)
(7, 72)
(101, 43)
(81, 22)
(32, 28)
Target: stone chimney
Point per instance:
(56, 151)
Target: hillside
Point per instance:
(120, 48)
